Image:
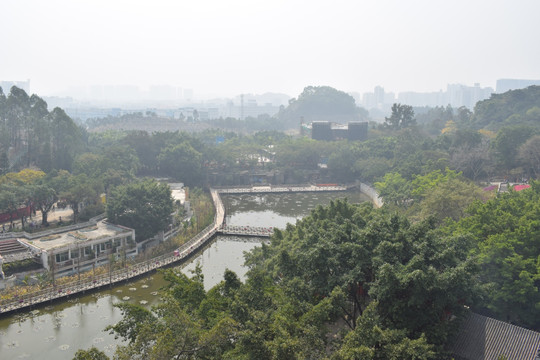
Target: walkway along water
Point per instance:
(181, 254)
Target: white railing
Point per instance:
(246, 230)
(38, 234)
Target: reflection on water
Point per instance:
(226, 253)
(265, 210)
(57, 331)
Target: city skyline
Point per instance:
(119, 99)
(222, 49)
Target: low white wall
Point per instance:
(372, 193)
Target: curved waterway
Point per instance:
(59, 330)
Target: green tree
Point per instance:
(35, 136)
(322, 103)
(145, 206)
(65, 139)
(464, 116)
(529, 155)
(43, 198)
(423, 184)
(79, 189)
(173, 329)
(342, 163)
(35, 130)
(472, 160)
(300, 154)
(506, 236)
(395, 285)
(507, 142)
(450, 199)
(182, 162)
(508, 109)
(402, 117)
(121, 158)
(91, 354)
(418, 276)
(147, 148)
(4, 130)
(13, 197)
(394, 189)
(17, 111)
(435, 119)
(372, 340)
(4, 162)
(23, 177)
(90, 164)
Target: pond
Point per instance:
(59, 330)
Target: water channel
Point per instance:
(59, 330)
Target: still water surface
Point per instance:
(59, 330)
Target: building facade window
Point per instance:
(61, 257)
(88, 251)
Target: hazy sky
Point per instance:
(227, 47)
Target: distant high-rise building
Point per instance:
(379, 95)
(456, 95)
(368, 100)
(389, 98)
(503, 85)
(379, 100)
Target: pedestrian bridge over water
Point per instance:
(281, 189)
(245, 230)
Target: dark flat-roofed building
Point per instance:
(325, 130)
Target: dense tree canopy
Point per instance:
(507, 143)
(322, 103)
(43, 197)
(182, 162)
(389, 287)
(514, 107)
(35, 136)
(529, 156)
(145, 206)
(81, 189)
(507, 238)
(389, 279)
(402, 117)
(372, 255)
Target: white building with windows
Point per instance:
(79, 250)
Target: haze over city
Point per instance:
(222, 48)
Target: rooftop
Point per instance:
(13, 250)
(178, 192)
(85, 235)
(483, 338)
